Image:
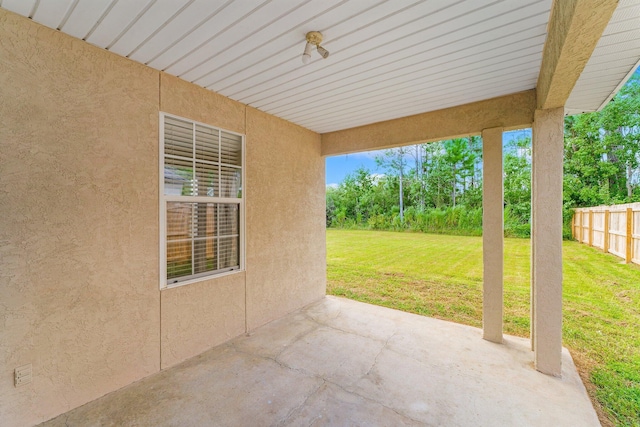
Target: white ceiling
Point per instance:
(389, 58)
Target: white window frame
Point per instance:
(203, 199)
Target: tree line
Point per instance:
(437, 187)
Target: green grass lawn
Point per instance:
(441, 276)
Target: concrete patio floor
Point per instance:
(343, 363)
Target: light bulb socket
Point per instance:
(323, 52)
(306, 56)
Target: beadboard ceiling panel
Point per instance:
(83, 17)
(614, 59)
(21, 7)
(147, 25)
(52, 13)
(389, 58)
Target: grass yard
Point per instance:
(441, 276)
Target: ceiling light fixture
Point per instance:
(314, 38)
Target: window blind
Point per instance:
(202, 172)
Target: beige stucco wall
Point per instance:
(79, 291)
(196, 103)
(285, 218)
(201, 315)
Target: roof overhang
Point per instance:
(389, 59)
(614, 59)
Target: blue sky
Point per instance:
(338, 167)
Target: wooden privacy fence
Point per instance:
(614, 229)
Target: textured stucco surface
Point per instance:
(574, 29)
(546, 239)
(492, 234)
(201, 315)
(196, 103)
(78, 230)
(79, 291)
(286, 254)
(511, 111)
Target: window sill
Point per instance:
(201, 279)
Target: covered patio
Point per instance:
(339, 362)
(117, 114)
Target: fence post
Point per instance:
(605, 246)
(629, 235)
(590, 227)
(580, 229)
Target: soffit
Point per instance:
(613, 61)
(389, 58)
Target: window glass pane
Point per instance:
(179, 238)
(231, 182)
(204, 229)
(201, 237)
(178, 137)
(179, 221)
(178, 177)
(231, 149)
(207, 144)
(206, 180)
(229, 254)
(204, 252)
(228, 219)
(178, 259)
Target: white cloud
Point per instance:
(333, 185)
(375, 177)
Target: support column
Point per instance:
(492, 234)
(546, 239)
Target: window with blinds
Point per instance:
(201, 201)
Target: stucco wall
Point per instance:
(285, 218)
(201, 315)
(79, 291)
(188, 100)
